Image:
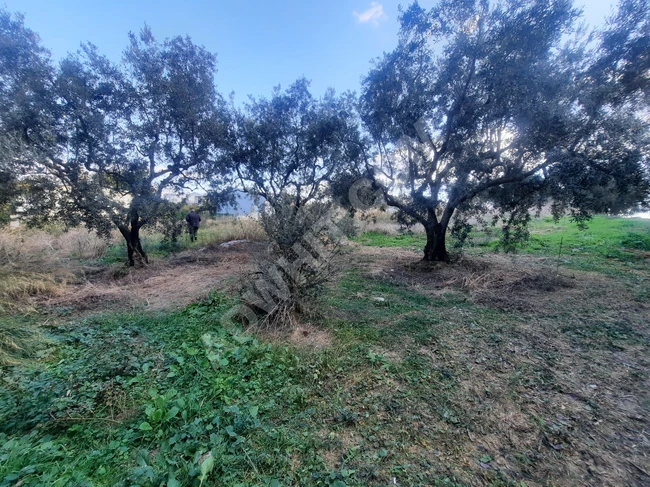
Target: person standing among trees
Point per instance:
(193, 220)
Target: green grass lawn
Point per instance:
(377, 239)
(417, 388)
(622, 239)
(618, 238)
(604, 236)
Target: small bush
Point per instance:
(286, 224)
(304, 246)
(171, 223)
(348, 226)
(635, 240)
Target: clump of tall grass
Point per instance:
(16, 287)
(82, 244)
(31, 249)
(224, 229)
(17, 341)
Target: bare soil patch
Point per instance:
(177, 282)
(310, 337)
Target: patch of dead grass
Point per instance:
(184, 279)
(505, 282)
(20, 290)
(32, 249)
(310, 337)
(226, 229)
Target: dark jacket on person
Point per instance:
(193, 219)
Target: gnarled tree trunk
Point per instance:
(133, 245)
(435, 249)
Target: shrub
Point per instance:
(286, 224)
(171, 223)
(348, 226)
(304, 246)
(636, 240)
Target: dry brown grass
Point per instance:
(28, 249)
(165, 284)
(226, 229)
(509, 282)
(310, 337)
(81, 244)
(35, 265)
(18, 288)
(380, 222)
(38, 264)
(47, 266)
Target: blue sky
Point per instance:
(260, 44)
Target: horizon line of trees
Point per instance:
(481, 107)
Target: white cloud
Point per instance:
(372, 14)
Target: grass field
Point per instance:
(623, 239)
(499, 370)
(212, 232)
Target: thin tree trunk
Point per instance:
(435, 249)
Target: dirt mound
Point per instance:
(513, 288)
(507, 282)
(310, 337)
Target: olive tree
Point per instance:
(107, 139)
(486, 107)
(25, 84)
(287, 150)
